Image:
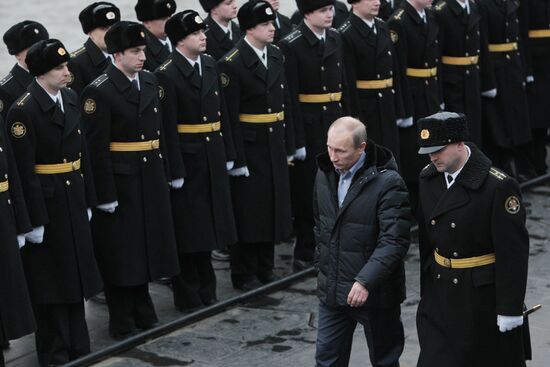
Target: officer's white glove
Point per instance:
(89, 214)
(177, 183)
(300, 154)
(36, 235)
(530, 79)
(290, 158)
(406, 122)
(109, 207)
(241, 171)
(442, 106)
(507, 323)
(229, 165)
(491, 93)
(21, 240)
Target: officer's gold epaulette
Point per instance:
(78, 52)
(345, 26)
(426, 167)
(293, 36)
(99, 80)
(165, 64)
(6, 79)
(232, 55)
(497, 173)
(439, 6)
(398, 14)
(23, 99)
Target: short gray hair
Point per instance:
(357, 129)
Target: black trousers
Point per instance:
(251, 260)
(129, 308)
(2, 363)
(383, 331)
(538, 150)
(62, 334)
(196, 284)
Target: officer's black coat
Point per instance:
(155, 53)
(62, 269)
(12, 86)
(202, 208)
(218, 42)
(262, 200)
(416, 46)
(340, 15)
(457, 315)
(463, 35)
(86, 64)
(16, 316)
(387, 8)
(507, 123)
(284, 28)
(538, 63)
(136, 243)
(369, 56)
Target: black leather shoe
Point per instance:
(248, 285)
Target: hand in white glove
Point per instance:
(406, 122)
(229, 165)
(177, 183)
(241, 171)
(492, 93)
(36, 235)
(530, 79)
(442, 106)
(290, 158)
(300, 154)
(109, 207)
(89, 214)
(21, 240)
(507, 323)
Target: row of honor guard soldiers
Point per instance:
(221, 131)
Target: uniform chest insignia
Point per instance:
(512, 205)
(89, 106)
(161, 92)
(394, 36)
(224, 79)
(1, 105)
(71, 79)
(18, 130)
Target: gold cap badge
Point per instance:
(424, 134)
(61, 51)
(110, 15)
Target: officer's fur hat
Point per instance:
(440, 129)
(207, 5)
(154, 9)
(100, 14)
(182, 24)
(253, 13)
(308, 6)
(124, 35)
(23, 35)
(45, 55)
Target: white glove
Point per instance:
(229, 165)
(290, 158)
(89, 214)
(177, 183)
(492, 93)
(530, 79)
(241, 171)
(406, 122)
(109, 207)
(507, 323)
(442, 106)
(36, 235)
(21, 240)
(300, 154)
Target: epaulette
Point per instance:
(274, 45)
(398, 14)
(165, 64)
(6, 79)
(23, 99)
(232, 55)
(99, 80)
(426, 167)
(497, 173)
(440, 5)
(345, 26)
(292, 36)
(78, 52)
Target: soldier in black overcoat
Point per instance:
(194, 110)
(89, 61)
(371, 71)
(133, 230)
(221, 32)
(154, 14)
(48, 141)
(414, 33)
(255, 88)
(18, 39)
(474, 250)
(315, 74)
(16, 315)
(466, 71)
